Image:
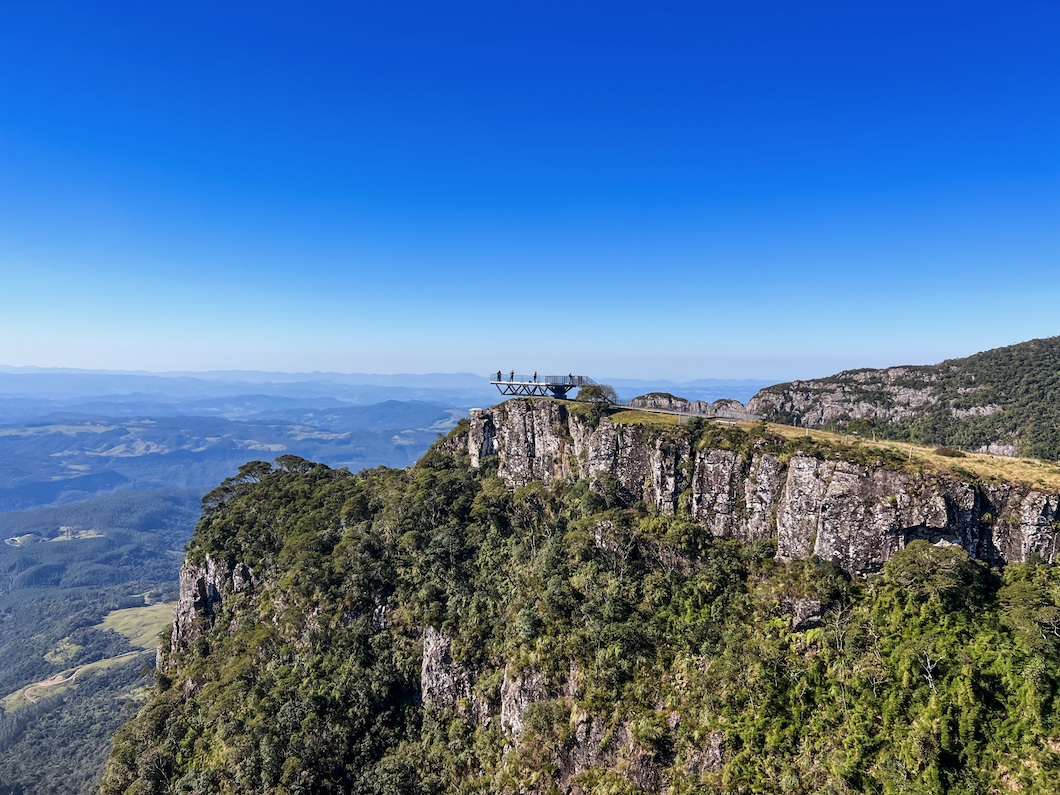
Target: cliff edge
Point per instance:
(562, 598)
(854, 505)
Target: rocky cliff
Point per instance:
(557, 598)
(1003, 401)
(811, 501)
(890, 395)
(204, 587)
(723, 408)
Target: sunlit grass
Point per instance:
(61, 683)
(64, 651)
(1038, 473)
(637, 417)
(140, 625)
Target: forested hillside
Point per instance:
(435, 630)
(63, 570)
(99, 493)
(1005, 400)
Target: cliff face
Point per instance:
(857, 515)
(897, 398)
(889, 396)
(723, 408)
(439, 628)
(1003, 401)
(203, 589)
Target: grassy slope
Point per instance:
(141, 625)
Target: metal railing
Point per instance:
(512, 377)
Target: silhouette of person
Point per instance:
(511, 375)
(498, 375)
(535, 375)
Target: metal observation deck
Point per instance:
(535, 385)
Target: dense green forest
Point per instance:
(98, 496)
(1009, 395)
(590, 645)
(59, 746)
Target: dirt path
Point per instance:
(29, 692)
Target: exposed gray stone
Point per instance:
(519, 691)
(761, 494)
(1010, 449)
(889, 396)
(664, 401)
(716, 482)
(204, 587)
(806, 614)
(441, 685)
(853, 514)
(480, 439)
(710, 757)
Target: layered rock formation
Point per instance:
(428, 629)
(204, 587)
(890, 395)
(664, 401)
(852, 513)
(1003, 401)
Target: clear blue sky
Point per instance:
(659, 190)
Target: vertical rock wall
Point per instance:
(204, 587)
(855, 515)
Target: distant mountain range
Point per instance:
(68, 455)
(65, 387)
(101, 482)
(35, 391)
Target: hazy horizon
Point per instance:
(309, 375)
(302, 375)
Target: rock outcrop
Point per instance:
(664, 401)
(889, 395)
(1002, 401)
(446, 684)
(519, 691)
(204, 587)
(442, 683)
(667, 402)
(364, 632)
(855, 514)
